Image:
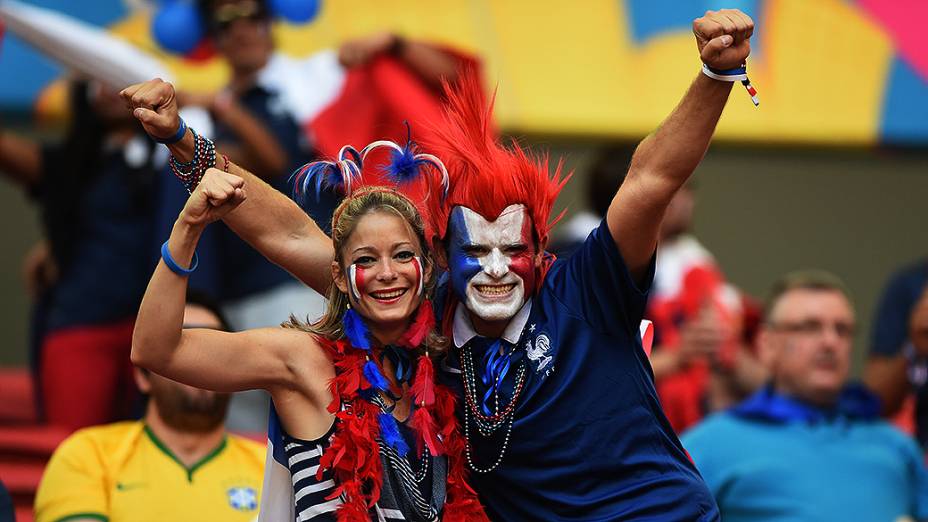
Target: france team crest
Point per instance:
(243, 498)
(538, 354)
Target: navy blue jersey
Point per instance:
(589, 440)
(101, 235)
(891, 322)
(890, 335)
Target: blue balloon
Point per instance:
(295, 11)
(177, 27)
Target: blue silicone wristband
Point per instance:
(169, 261)
(179, 135)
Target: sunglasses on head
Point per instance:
(226, 14)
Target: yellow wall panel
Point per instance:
(574, 68)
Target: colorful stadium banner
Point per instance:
(827, 71)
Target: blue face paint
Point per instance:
(461, 266)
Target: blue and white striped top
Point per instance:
(395, 504)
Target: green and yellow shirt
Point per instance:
(122, 472)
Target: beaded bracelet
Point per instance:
(204, 158)
(738, 74)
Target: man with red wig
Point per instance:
(558, 398)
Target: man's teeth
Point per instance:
(495, 289)
(388, 295)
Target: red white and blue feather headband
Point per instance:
(345, 174)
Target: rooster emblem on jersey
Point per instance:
(539, 353)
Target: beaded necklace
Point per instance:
(487, 425)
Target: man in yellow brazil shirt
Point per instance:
(177, 463)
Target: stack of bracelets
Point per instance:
(204, 158)
(738, 74)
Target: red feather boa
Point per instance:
(354, 455)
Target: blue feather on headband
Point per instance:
(314, 175)
(404, 165)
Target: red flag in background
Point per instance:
(374, 102)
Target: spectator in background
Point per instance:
(94, 191)
(809, 446)
(177, 463)
(897, 367)
(607, 172)
(703, 325)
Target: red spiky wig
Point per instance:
(486, 176)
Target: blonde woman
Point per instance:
(367, 429)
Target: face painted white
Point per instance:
(496, 292)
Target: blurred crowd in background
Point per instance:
(829, 173)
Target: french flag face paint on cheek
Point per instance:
(355, 281)
(461, 266)
(417, 263)
(523, 263)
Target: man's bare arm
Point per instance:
(268, 220)
(664, 160)
(278, 228)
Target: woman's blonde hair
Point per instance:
(365, 201)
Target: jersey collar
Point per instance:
(463, 330)
(197, 465)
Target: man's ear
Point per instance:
(141, 380)
(439, 252)
(766, 349)
(338, 277)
